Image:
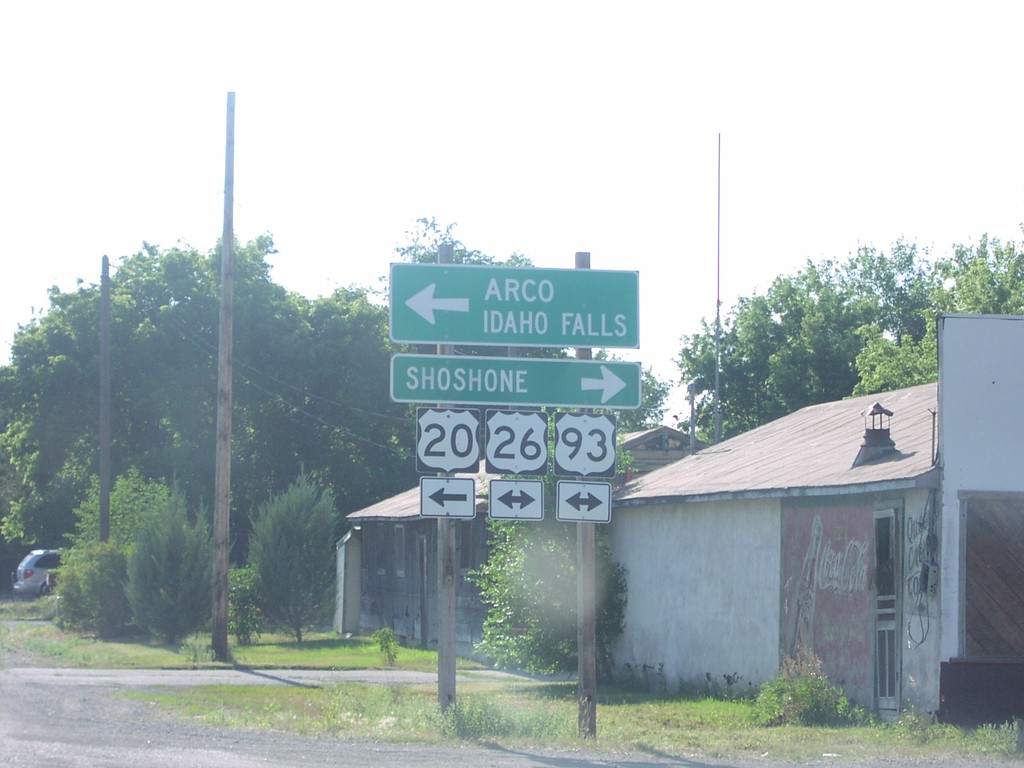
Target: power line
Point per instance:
(209, 350)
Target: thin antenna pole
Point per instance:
(718, 302)
(222, 469)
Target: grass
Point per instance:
(35, 633)
(525, 714)
(513, 713)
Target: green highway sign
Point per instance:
(514, 306)
(467, 379)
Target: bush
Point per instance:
(91, 589)
(169, 586)
(245, 619)
(388, 644)
(481, 718)
(802, 695)
(529, 586)
(292, 551)
(132, 498)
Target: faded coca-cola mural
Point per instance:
(827, 599)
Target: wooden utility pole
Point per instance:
(446, 597)
(586, 598)
(222, 478)
(105, 401)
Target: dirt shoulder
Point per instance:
(63, 716)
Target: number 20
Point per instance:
(461, 448)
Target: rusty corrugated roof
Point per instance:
(803, 453)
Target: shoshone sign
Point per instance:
(514, 381)
(514, 306)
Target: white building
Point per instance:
(885, 533)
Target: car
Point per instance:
(35, 576)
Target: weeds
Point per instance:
(388, 644)
(481, 718)
(196, 653)
(802, 695)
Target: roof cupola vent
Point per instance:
(877, 442)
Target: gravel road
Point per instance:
(77, 717)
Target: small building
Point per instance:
(885, 534)
(387, 561)
(654, 448)
(387, 572)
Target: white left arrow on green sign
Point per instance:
(425, 304)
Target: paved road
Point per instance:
(73, 718)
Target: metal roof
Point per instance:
(809, 452)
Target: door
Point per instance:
(887, 673)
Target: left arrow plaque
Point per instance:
(448, 497)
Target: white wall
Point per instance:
(981, 433)
(920, 626)
(704, 589)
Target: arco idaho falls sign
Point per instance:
(516, 306)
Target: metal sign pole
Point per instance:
(586, 632)
(446, 596)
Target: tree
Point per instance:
(987, 279)
(132, 499)
(425, 240)
(529, 585)
(311, 391)
(792, 347)
(653, 395)
(292, 554)
(822, 334)
(92, 588)
(169, 571)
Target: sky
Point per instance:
(709, 146)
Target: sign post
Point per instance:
(445, 304)
(446, 575)
(586, 598)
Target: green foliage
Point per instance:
(884, 365)
(132, 499)
(292, 553)
(768, 346)
(169, 586)
(802, 695)
(529, 585)
(196, 652)
(311, 391)
(245, 619)
(834, 329)
(983, 279)
(653, 396)
(92, 589)
(424, 241)
(479, 717)
(388, 644)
